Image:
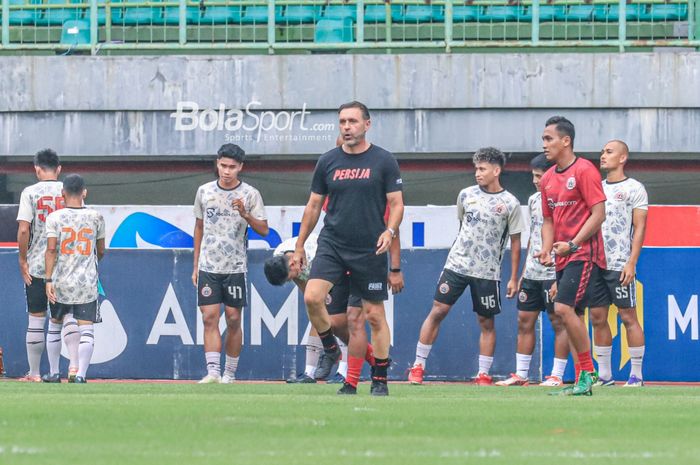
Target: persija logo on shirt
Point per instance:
(355, 173)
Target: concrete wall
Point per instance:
(421, 103)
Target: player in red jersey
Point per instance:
(573, 207)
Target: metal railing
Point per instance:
(319, 25)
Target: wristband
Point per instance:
(395, 270)
(48, 280)
(393, 233)
(573, 247)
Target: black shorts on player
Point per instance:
(37, 301)
(578, 285)
(486, 296)
(87, 312)
(227, 289)
(534, 295)
(609, 290)
(368, 271)
(339, 298)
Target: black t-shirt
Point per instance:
(356, 186)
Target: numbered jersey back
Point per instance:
(37, 202)
(77, 231)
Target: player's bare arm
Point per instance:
(312, 212)
(590, 227)
(50, 260)
(198, 232)
(259, 226)
(639, 221)
(395, 200)
(545, 255)
(23, 241)
(395, 279)
(512, 287)
(100, 248)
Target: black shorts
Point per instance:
(486, 295)
(608, 290)
(88, 312)
(227, 289)
(534, 296)
(577, 285)
(37, 302)
(368, 271)
(339, 299)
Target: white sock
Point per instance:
(231, 366)
(522, 363)
(559, 367)
(71, 338)
(485, 363)
(343, 363)
(637, 357)
(314, 349)
(87, 344)
(35, 342)
(603, 355)
(213, 363)
(422, 352)
(53, 346)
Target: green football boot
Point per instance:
(584, 385)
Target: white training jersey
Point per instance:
(225, 236)
(486, 221)
(310, 247)
(533, 268)
(35, 204)
(77, 231)
(623, 197)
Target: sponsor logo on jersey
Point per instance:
(399, 181)
(206, 291)
(375, 286)
(522, 296)
(444, 288)
(473, 217)
(566, 203)
(355, 173)
(571, 183)
(329, 299)
(212, 212)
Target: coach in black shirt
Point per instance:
(359, 178)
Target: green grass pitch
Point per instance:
(129, 424)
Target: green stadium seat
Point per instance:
(75, 32)
(135, 16)
(666, 12)
(259, 14)
(611, 13)
(423, 14)
(22, 17)
(222, 15)
(57, 16)
(334, 31)
(466, 13)
(377, 13)
(548, 13)
(300, 14)
(579, 13)
(501, 13)
(171, 15)
(341, 12)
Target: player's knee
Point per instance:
(629, 317)
(314, 300)
(439, 312)
(233, 322)
(356, 321)
(525, 325)
(599, 318)
(210, 320)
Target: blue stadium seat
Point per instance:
(579, 13)
(22, 17)
(548, 13)
(666, 12)
(57, 16)
(75, 32)
(222, 15)
(466, 13)
(501, 13)
(340, 12)
(377, 13)
(611, 13)
(171, 15)
(423, 14)
(259, 15)
(300, 14)
(334, 31)
(136, 16)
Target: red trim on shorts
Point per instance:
(583, 284)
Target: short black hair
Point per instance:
(355, 104)
(73, 184)
(277, 269)
(231, 151)
(540, 162)
(47, 159)
(490, 155)
(564, 127)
